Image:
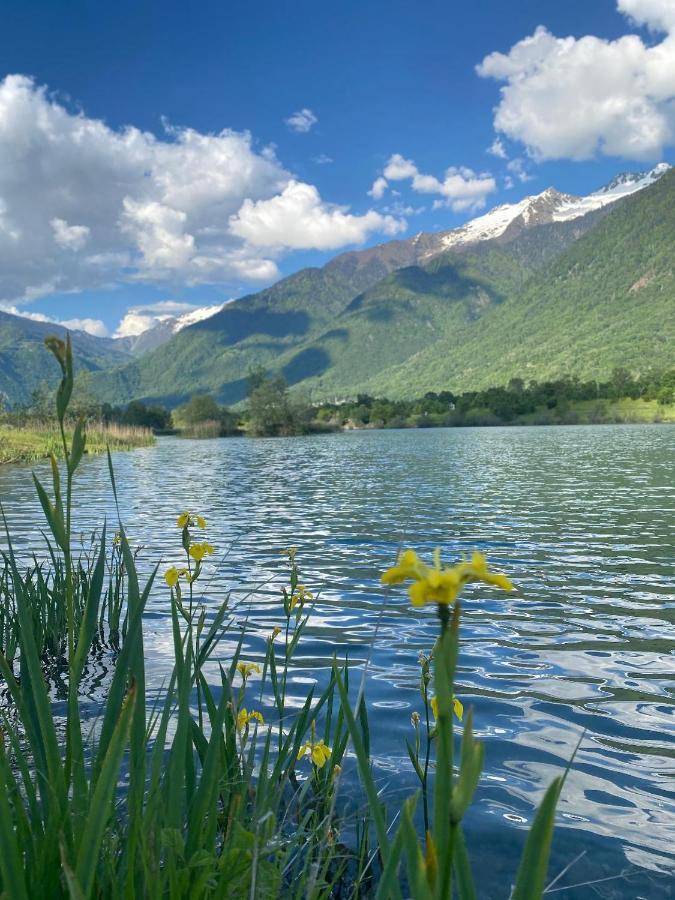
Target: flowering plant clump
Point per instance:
(195, 553)
(442, 585)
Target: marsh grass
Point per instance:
(197, 794)
(34, 440)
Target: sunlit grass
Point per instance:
(37, 440)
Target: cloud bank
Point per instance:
(576, 98)
(84, 206)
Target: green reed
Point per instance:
(194, 794)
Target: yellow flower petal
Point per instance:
(199, 551)
(456, 705)
(244, 717)
(247, 668)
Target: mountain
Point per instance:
(412, 315)
(541, 209)
(604, 299)
(306, 326)
(214, 355)
(25, 362)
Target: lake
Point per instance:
(583, 521)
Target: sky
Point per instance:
(159, 157)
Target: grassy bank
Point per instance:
(36, 440)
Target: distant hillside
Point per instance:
(214, 355)
(298, 325)
(549, 285)
(25, 362)
(413, 308)
(607, 300)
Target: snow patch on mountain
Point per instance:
(178, 323)
(539, 209)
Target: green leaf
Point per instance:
(11, 865)
(54, 519)
(365, 771)
(101, 801)
(531, 878)
(415, 865)
(465, 885)
(470, 770)
(77, 446)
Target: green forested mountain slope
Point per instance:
(298, 325)
(577, 297)
(606, 300)
(25, 363)
(214, 355)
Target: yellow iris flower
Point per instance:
(456, 705)
(172, 576)
(318, 751)
(441, 584)
(186, 519)
(244, 717)
(300, 596)
(247, 668)
(199, 551)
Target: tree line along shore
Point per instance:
(273, 409)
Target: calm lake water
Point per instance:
(582, 519)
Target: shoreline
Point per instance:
(30, 445)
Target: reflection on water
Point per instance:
(582, 519)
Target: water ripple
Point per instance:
(582, 519)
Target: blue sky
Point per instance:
(272, 122)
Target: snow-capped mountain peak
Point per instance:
(627, 182)
(539, 209)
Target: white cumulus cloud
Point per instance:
(301, 121)
(578, 97)
(497, 149)
(518, 168)
(134, 323)
(91, 326)
(298, 219)
(70, 237)
(461, 188)
(142, 318)
(84, 206)
(379, 187)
